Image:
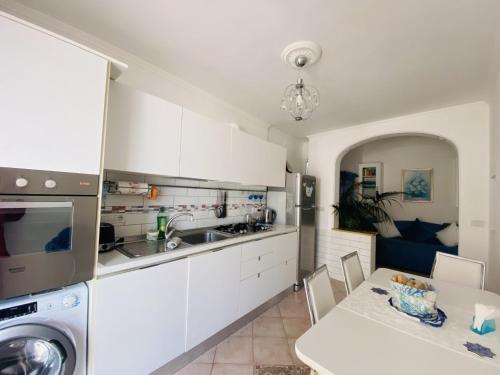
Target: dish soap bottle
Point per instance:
(161, 221)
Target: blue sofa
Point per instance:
(415, 250)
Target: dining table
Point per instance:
(364, 334)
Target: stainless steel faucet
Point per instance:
(169, 234)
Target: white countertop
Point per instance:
(116, 262)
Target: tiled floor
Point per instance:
(268, 340)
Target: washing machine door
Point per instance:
(36, 349)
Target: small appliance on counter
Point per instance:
(269, 216)
(106, 237)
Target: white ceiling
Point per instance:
(381, 58)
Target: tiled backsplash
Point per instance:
(134, 215)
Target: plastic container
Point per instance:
(161, 221)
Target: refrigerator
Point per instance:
(296, 205)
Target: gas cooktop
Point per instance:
(243, 228)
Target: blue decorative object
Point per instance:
(480, 350)
(435, 321)
(417, 185)
(416, 302)
(487, 327)
(380, 291)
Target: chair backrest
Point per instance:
(459, 270)
(319, 294)
(353, 273)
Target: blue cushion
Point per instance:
(421, 231)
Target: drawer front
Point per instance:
(285, 246)
(255, 248)
(255, 265)
(256, 290)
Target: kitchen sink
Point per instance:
(203, 236)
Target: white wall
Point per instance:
(466, 126)
(408, 152)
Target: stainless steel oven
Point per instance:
(47, 230)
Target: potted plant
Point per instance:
(360, 212)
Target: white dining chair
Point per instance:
(319, 294)
(353, 272)
(459, 270)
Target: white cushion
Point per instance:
(449, 235)
(387, 229)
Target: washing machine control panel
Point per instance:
(18, 310)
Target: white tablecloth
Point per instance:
(452, 335)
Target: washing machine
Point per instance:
(45, 333)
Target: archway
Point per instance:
(465, 126)
(411, 226)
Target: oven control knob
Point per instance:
(50, 184)
(21, 182)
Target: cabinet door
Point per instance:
(256, 290)
(256, 161)
(52, 101)
(213, 290)
(205, 148)
(143, 132)
(286, 274)
(139, 319)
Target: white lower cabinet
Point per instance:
(214, 283)
(139, 319)
(255, 290)
(268, 267)
(144, 318)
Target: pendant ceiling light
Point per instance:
(299, 99)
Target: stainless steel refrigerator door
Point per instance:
(306, 221)
(306, 191)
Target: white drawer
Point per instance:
(258, 264)
(255, 248)
(285, 246)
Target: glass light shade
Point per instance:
(300, 100)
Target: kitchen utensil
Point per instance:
(269, 216)
(224, 205)
(106, 237)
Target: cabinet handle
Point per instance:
(258, 275)
(259, 258)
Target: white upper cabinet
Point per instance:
(259, 162)
(52, 102)
(143, 133)
(205, 148)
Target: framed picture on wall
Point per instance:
(417, 185)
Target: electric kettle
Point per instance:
(269, 216)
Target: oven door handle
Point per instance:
(31, 204)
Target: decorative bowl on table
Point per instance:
(413, 297)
